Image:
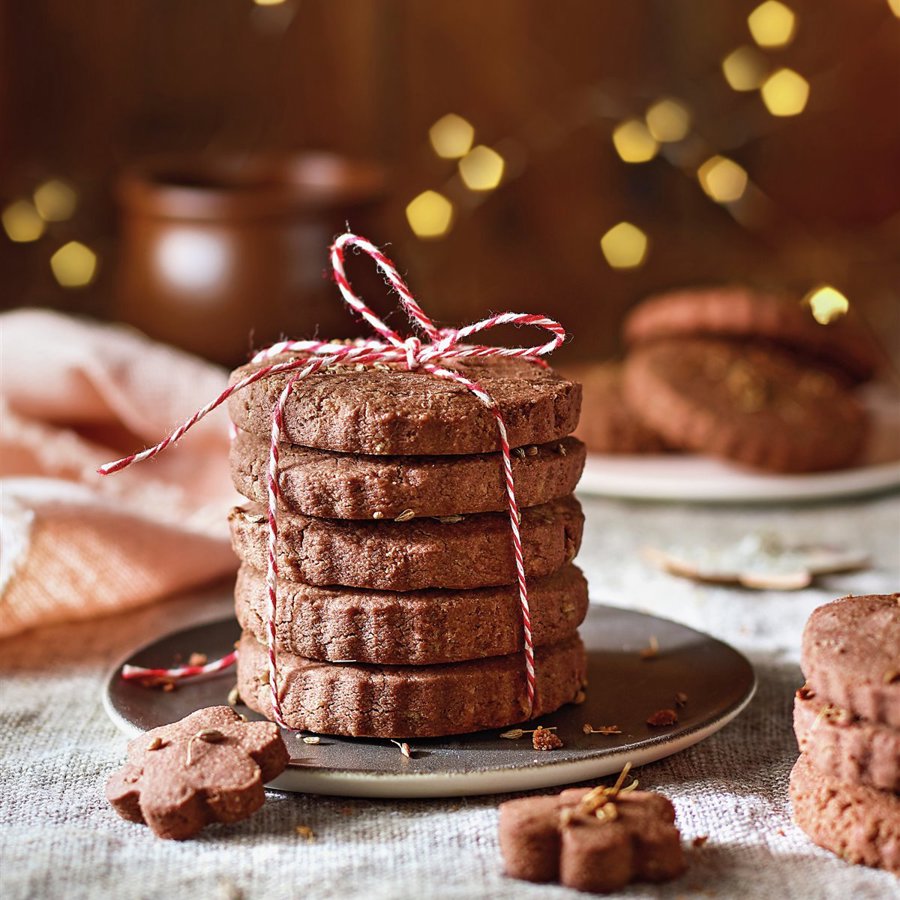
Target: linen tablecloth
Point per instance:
(61, 839)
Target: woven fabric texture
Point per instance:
(59, 838)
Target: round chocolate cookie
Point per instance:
(456, 552)
(852, 750)
(752, 405)
(409, 701)
(607, 423)
(415, 627)
(733, 311)
(851, 656)
(350, 486)
(391, 411)
(858, 823)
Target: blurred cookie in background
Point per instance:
(829, 335)
(607, 423)
(753, 405)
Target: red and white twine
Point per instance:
(411, 353)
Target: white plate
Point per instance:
(698, 479)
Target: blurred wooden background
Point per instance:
(88, 87)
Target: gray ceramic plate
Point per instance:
(624, 690)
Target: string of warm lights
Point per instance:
(636, 140)
(480, 169)
(667, 121)
(74, 265)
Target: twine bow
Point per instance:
(411, 353)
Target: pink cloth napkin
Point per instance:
(74, 545)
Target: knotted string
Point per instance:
(412, 353)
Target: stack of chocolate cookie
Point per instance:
(746, 376)
(398, 611)
(845, 786)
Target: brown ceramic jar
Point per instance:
(223, 255)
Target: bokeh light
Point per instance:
(785, 93)
(895, 7)
(430, 215)
(745, 69)
(633, 141)
(55, 200)
(74, 265)
(451, 136)
(21, 222)
(624, 246)
(827, 303)
(481, 168)
(722, 179)
(772, 24)
(268, 2)
(668, 120)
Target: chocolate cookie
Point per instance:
(209, 767)
(607, 423)
(410, 701)
(858, 823)
(851, 656)
(415, 627)
(851, 750)
(345, 486)
(632, 837)
(387, 411)
(740, 312)
(748, 404)
(458, 552)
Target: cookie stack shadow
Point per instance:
(729, 372)
(398, 613)
(845, 787)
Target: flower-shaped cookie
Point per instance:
(592, 840)
(209, 767)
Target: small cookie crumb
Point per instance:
(662, 718)
(163, 682)
(544, 739)
(603, 729)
